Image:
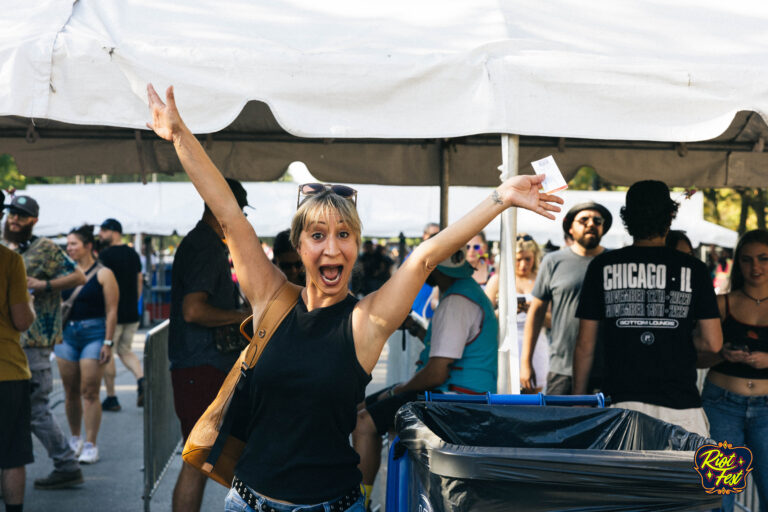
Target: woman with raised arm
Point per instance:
(306, 386)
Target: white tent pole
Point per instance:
(445, 182)
(509, 357)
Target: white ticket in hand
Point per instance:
(553, 181)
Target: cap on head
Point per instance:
(24, 205)
(112, 225)
(589, 205)
(648, 192)
(456, 265)
(649, 210)
(239, 191)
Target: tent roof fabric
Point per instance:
(361, 92)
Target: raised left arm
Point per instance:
(380, 313)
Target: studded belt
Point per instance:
(337, 505)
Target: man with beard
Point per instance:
(49, 270)
(657, 308)
(559, 283)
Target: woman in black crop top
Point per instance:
(88, 330)
(329, 343)
(735, 395)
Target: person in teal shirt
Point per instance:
(460, 356)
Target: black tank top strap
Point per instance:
(727, 306)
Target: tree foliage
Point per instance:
(739, 209)
(10, 176)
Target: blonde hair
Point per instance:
(321, 206)
(530, 246)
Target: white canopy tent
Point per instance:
(589, 82)
(167, 208)
(392, 93)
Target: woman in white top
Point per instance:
(528, 256)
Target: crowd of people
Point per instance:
(83, 304)
(634, 323)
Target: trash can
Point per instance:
(463, 456)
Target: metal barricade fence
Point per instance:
(162, 431)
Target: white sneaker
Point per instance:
(90, 454)
(76, 443)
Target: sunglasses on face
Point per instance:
(476, 247)
(311, 189)
(597, 221)
(287, 265)
(20, 216)
(524, 238)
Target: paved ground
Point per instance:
(116, 482)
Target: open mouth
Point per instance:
(331, 274)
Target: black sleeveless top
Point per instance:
(302, 402)
(753, 336)
(89, 303)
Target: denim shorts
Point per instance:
(82, 339)
(234, 503)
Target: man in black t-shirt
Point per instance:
(646, 300)
(204, 298)
(124, 262)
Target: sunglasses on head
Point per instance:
(311, 189)
(598, 221)
(524, 238)
(287, 265)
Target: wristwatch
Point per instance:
(108, 343)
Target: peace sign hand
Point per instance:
(166, 121)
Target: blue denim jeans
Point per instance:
(234, 503)
(742, 421)
(82, 339)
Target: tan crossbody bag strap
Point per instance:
(210, 438)
(277, 309)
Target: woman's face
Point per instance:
(754, 263)
(524, 264)
(75, 247)
(328, 249)
(475, 250)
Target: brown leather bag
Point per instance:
(211, 446)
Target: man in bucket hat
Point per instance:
(559, 283)
(460, 355)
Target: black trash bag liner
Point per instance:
(474, 457)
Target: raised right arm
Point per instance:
(258, 277)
